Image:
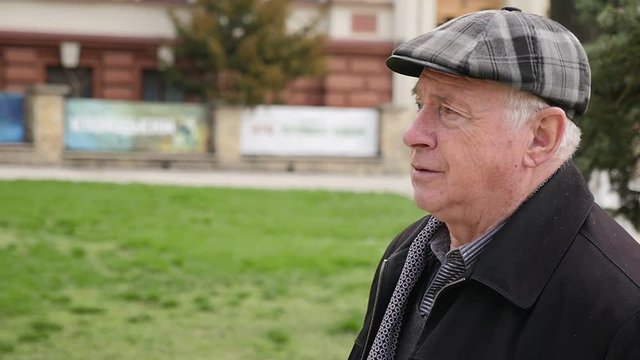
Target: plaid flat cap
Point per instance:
(526, 51)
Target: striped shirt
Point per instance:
(454, 264)
(417, 310)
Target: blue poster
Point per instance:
(11, 118)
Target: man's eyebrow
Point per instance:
(456, 101)
(446, 96)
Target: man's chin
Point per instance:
(425, 201)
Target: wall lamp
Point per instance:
(165, 57)
(69, 54)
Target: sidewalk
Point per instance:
(398, 184)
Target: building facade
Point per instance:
(114, 49)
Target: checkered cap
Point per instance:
(526, 51)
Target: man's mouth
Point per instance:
(424, 169)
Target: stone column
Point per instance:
(540, 7)
(394, 121)
(411, 18)
(226, 135)
(45, 118)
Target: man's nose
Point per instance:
(420, 133)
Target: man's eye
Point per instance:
(418, 106)
(447, 110)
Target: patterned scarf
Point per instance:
(386, 340)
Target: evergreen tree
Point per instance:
(611, 126)
(239, 51)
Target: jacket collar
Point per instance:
(523, 255)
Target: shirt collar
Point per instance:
(441, 243)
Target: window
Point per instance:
(80, 80)
(156, 88)
(364, 23)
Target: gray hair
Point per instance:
(521, 108)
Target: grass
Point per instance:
(105, 271)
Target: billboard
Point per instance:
(12, 125)
(105, 125)
(310, 131)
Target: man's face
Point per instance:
(465, 153)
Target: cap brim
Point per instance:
(413, 67)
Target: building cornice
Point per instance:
(19, 38)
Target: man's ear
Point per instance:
(547, 129)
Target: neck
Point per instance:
(464, 232)
(491, 212)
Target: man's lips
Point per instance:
(424, 168)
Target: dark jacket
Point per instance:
(560, 280)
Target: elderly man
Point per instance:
(515, 261)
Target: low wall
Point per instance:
(18, 154)
(45, 115)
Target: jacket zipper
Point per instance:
(375, 305)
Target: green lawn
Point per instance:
(102, 271)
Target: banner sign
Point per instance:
(104, 125)
(309, 131)
(11, 118)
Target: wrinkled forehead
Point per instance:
(443, 76)
(464, 84)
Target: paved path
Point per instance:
(236, 179)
